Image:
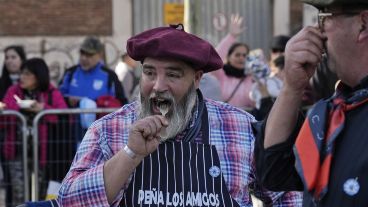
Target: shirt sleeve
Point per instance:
(9, 100)
(222, 49)
(58, 101)
(84, 184)
(275, 166)
(65, 84)
(273, 198)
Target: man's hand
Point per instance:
(2, 105)
(236, 27)
(143, 140)
(144, 135)
(302, 54)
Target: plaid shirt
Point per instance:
(229, 130)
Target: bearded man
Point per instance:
(172, 147)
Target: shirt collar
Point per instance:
(193, 119)
(347, 91)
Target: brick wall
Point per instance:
(55, 17)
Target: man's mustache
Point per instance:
(162, 95)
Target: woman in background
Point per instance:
(14, 57)
(234, 81)
(34, 84)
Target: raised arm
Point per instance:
(143, 140)
(98, 177)
(303, 53)
(236, 28)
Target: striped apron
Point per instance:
(180, 174)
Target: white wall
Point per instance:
(281, 17)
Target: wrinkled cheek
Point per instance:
(145, 89)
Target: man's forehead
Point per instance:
(166, 63)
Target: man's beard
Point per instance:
(179, 114)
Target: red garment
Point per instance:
(107, 102)
(314, 145)
(57, 102)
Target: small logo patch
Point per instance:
(214, 171)
(351, 186)
(74, 83)
(97, 84)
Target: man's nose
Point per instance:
(82, 59)
(160, 84)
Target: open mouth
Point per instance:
(161, 105)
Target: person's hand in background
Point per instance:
(2, 105)
(262, 86)
(73, 101)
(36, 107)
(236, 26)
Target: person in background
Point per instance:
(125, 70)
(90, 85)
(326, 156)
(235, 83)
(14, 57)
(90, 78)
(34, 84)
(172, 142)
(278, 45)
(265, 91)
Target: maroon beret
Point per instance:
(174, 42)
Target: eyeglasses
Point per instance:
(323, 15)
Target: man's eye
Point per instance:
(173, 75)
(149, 73)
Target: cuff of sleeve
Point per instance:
(96, 178)
(291, 139)
(259, 129)
(117, 198)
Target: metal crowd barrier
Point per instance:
(21, 123)
(37, 121)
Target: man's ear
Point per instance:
(363, 32)
(197, 78)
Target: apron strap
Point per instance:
(201, 123)
(205, 127)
